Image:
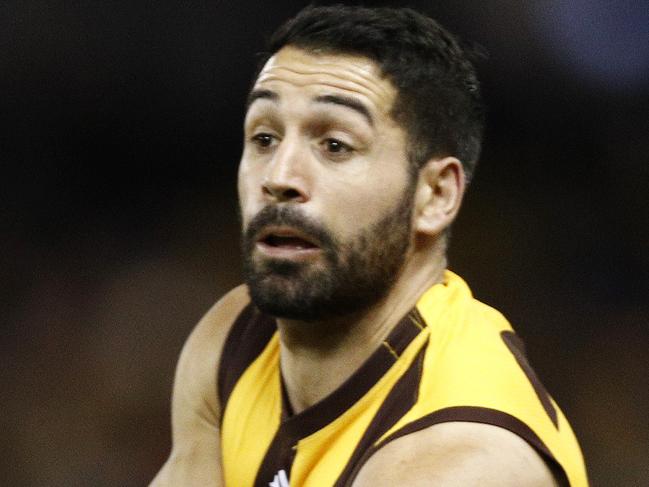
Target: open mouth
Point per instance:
(285, 239)
(288, 242)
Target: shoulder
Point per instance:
(195, 382)
(456, 453)
(194, 406)
(210, 332)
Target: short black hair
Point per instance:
(438, 99)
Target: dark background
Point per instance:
(119, 141)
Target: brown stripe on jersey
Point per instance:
(417, 319)
(482, 415)
(280, 456)
(247, 338)
(322, 413)
(517, 348)
(401, 398)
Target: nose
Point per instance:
(285, 178)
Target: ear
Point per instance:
(439, 195)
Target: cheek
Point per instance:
(361, 205)
(382, 183)
(246, 185)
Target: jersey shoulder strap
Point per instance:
(247, 338)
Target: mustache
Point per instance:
(291, 217)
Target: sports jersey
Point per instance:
(451, 358)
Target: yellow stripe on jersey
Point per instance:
(468, 364)
(251, 418)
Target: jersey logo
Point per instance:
(280, 480)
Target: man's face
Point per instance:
(325, 191)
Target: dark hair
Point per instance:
(438, 95)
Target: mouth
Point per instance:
(286, 242)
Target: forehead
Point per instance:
(292, 69)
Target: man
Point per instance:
(351, 357)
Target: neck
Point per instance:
(316, 358)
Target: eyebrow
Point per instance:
(261, 95)
(348, 102)
(345, 101)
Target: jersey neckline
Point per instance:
(323, 412)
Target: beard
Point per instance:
(349, 277)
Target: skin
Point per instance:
(333, 161)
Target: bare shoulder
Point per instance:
(197, 366)
(195, 453)
(219, 318)
(211, 331)
(456, 454)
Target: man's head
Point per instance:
(343, 171)
(438, 101)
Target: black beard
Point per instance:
(353, 276)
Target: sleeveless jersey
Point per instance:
(451, 358)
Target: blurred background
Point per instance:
(119, 142)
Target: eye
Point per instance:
(262, 140)
(335, 146)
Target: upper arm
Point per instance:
(456, 454)
(195, 412)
